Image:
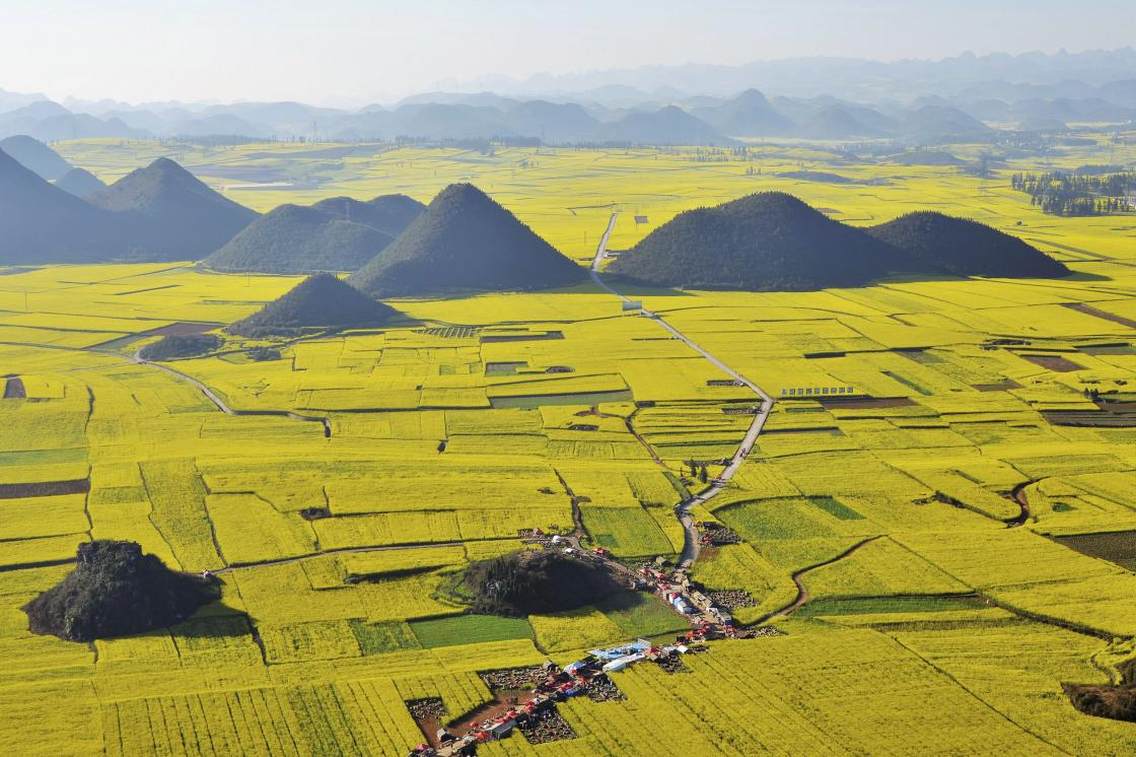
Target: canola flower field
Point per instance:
(930, 517)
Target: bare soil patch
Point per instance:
(14, 389)
(545, 726)
(1000, 386)
(1055, 363)
(1082, 307)
(45, 488)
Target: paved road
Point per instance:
(690, 546)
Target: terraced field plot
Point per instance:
(954, 616)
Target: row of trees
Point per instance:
(1066, 194)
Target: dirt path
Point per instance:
(221, 405)
(803, 595)
(1019, 496)
(690, 548)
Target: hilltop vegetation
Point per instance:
(465, 242)
(337, 234)
(526, 583)
(931, 242)
(180, 345)
(115, 590)
(773, 241)
(172, 215)
(320, 301)
(763, 242)
(295, 239)
(390, 214)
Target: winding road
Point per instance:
(216, 399)
(690, 547)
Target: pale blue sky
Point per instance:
(338, 51)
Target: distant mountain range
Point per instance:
(819, 98)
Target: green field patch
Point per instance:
(639, 614)
(377, 638)
(43, 457)
(779, 518)
(836, 508)
(626, 531)
(898, 604)
(469, 629)
(908, 383)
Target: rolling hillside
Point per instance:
(320, 301)
(173, 215)
(932, 242)
(466, 242)
(763, 242)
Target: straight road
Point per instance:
(690, 547)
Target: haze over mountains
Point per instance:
(820, 98)
(158, 213)
(174, 216)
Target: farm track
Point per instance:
(224, 407)
(691, 547)
(803, 595)
(1019, 497)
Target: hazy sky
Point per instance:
(341, 51)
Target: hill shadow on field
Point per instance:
(1082, 276)
(210, 626)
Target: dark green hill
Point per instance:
(320, 301)
(390, 214)
(80, 182)
(41, 223)
(172, 214)
(932, 242)
(176, 346)
(523, 583)
(337, 234)
(466, 242)
(35, 156)
(115, 590)
(766, 241)
(294, 239)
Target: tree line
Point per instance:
(1070, 194)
